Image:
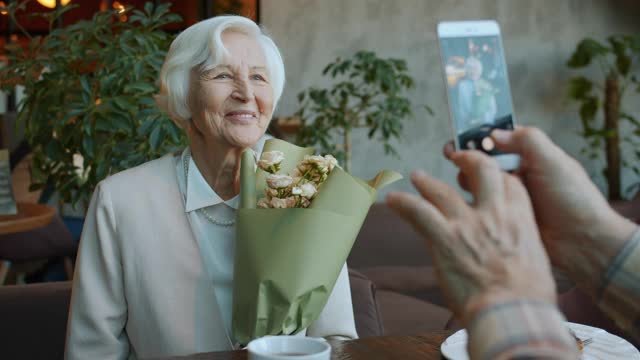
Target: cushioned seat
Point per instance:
(34, 317)
(53, 240)
(365, 306)
(34, 320)
(395, 258)
(407, 315)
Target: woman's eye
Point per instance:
(257, 77)
(223, 76)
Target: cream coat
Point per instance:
(140, 288)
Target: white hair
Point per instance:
(200, 47)
(473, 63)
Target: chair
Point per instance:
(365, 306)
(34, 317)
(395, 259)
(30, 249)
(27, 250)
(34, 320)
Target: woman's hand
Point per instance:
(580, 230)
(486, 252)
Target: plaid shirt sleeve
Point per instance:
(520, 329)
(619, 294)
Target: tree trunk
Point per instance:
(611, 114)
(347, 149)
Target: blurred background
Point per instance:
(363, 82)
(539, 38)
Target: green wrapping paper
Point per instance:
(288, 260)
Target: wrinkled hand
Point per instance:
(580, 230)
(486, 252)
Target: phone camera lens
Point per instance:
(488, 144)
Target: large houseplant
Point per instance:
(89, 95)
(617, 61)
(367, 92)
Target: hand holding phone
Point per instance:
(478, 92)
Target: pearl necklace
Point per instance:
(203, 211)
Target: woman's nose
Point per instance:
(242, 91)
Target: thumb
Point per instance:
(528, 142)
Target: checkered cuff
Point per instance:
(620, 291)
(520, 328)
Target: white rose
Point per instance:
(295, 173)
(291, 201)
(286, 203)
(316, 160)
(331, 161)
(264, 203)
(270, 192)
(308, 190)
(270, 161)
(278, 181)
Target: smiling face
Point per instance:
(233, 102)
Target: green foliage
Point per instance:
(618, 58)
(367, 91)
(89, 90)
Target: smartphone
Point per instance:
(478, 93)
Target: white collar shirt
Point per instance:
(216, 242)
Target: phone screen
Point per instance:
(478, 89)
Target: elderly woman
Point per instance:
(476, 98)
(155, 268)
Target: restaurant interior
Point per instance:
(79, 81)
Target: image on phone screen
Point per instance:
(478, 89)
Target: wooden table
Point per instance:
(422, 347)
(29, 216)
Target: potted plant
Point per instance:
(88, 107)
(367, 92)
(617, 61)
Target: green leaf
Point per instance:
(121, 122)
(121, 103)
(588, 109)
(580, 87)
(147, 126)
(85, 84)
(327, 69)
(148, 8)
(88, 146)
(53, 150)
(623, 64)
(157, 135)
(138, 68)
(585, 52)
(147, 100)
(140, 87)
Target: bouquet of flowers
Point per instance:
(297, 189)
(299, 216)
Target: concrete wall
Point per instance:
(539, 36)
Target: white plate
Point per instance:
(604, 346)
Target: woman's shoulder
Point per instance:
(144, 177)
